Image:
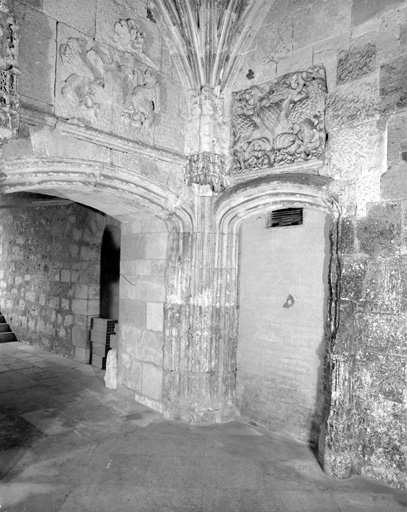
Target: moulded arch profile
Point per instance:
(245, 200)
(114, 190)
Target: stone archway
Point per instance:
(249, 203)
(147, 211)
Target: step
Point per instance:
(4, 327)
(7, 336)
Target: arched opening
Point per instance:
(144, 210)
(283, 302)
(110, 273)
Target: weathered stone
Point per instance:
(33, 19)
(357, 156)
(374, 334)
(82, 355)
(352, 103)
(299, 59)
(156, 246)
(393, 85)
(38, 52)
(133, 247)
(80, 306)
(380, 232)
(155, 316)
(347, 236)
(134, 312)
(321, 20)
(109, 13)
(128, 287)
(353, 272)
(69, 14)
(344, 338)
(49, 143)
(37, 4)
(80, 336)
(364, 10)
(150, 289)
(170, 126)
(129, 372)
(152, 349)
(152, 381)
(379, 402)
(382, 286)
(274, 40)
(356, 63)
(393, 182)
(110, 377)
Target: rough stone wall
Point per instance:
(50, 272)
(362, 46)
(142, 296)
(283, 304)
(368, 421)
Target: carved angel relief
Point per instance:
(102, 78)
(279, 122)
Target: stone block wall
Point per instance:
(50, 274)
(142, 296)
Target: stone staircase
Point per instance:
(6, 333)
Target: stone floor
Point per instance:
(69, 444)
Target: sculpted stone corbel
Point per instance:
(279, 122)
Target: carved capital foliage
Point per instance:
(279, 122)
(109, 82)
(9, 100)
(207, 169)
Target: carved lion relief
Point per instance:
(105, 82)
(279, 122)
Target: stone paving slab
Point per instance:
(68, 444)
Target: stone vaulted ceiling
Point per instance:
(206, 37)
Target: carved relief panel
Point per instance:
(107, 87)
(9, 100)
(279, 122)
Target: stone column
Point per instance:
(200, 320)
(200, 313)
